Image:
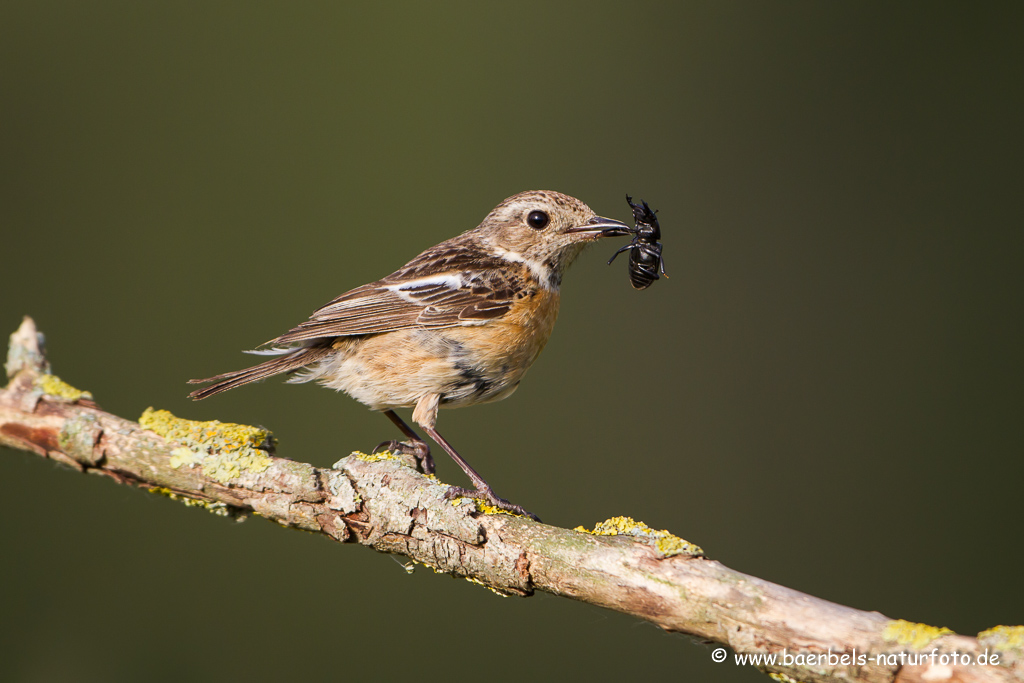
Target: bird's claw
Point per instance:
(417, 449)
(454, 492)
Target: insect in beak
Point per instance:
(645, 260)
(602, 227)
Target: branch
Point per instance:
(382, 502)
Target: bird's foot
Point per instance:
(417, 449)
(488, 495)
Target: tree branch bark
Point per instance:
(382, 502)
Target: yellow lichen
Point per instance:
(52, 385)
(182, 456)
(224, 450)
(914, 635)
(782, 678)
(488, 509)
(494, 590)
(212, 434)
(1004, 637)
(673, 545)
(224, 467)
(482, 506)
(219, 509)
(380, 456)
(665, 542)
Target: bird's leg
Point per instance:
(416, 446)
(483, 490)
(425, 415)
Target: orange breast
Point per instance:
(466, 365)
(496, 356)
(521, 334)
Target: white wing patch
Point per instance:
(272, 351)
(450, 299)
(409, 289)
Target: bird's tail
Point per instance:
(287, 361)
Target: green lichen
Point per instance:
(223, 450)
(913, 635)
(666, 543)
(78, 436)
(219, 509)
(1004, 637)
(52, 385)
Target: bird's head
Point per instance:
(545, 230)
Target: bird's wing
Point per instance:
(425, 295)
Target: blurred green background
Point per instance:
(826, 393)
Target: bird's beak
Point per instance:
(602, 227)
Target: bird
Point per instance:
(456, 326)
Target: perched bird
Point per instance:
(458, 325)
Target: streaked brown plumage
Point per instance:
(458, 325)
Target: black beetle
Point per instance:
(645, 250)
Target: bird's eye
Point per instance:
(538, 220)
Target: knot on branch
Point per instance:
(27, 350)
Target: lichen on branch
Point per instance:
(381, 501)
